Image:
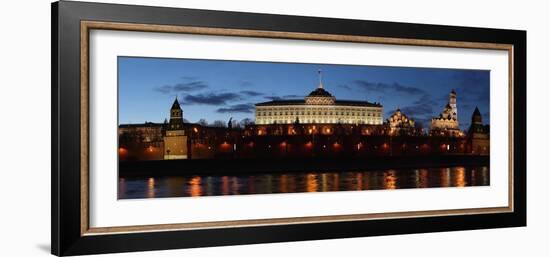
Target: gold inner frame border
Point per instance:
(86, 26)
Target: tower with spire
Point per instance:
(447, 122)
(175, 140)
(452, 104)
(176, 116)
(476, 117)
(478, 135)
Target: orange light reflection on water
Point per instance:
(460, 177)
(195, 188)
(312, 183)
(390, 180)
(225, 185)
(151, 187)
(283, 184)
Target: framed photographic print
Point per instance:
(177, 128)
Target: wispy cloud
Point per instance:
(238, 108)
(345, 86)
(211, 98)
(251, 93)
(426, 99)
(381, 87)
(273, 98)
(284, 97)
(418, 110)
(245, 83)
(190, 84)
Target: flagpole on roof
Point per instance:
(320, 78)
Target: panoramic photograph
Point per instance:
(198, 128)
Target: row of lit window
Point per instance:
(321, 109)
(319, 113)
(321, 121)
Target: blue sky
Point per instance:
(217, 90)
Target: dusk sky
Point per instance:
(217, 90)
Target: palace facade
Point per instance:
(319, 107)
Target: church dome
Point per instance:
(320, 92)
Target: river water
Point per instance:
(215, 185)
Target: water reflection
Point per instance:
(283, 184)
(335, 182)
(311, 182)
(209, 186)
(178, 186)
(234, 186)
(445, 177)
(359, 179)
(195, 188)
(390, 180)
(460, 177)
(225, 185)
(151, 188)
(324, 182)
(421, 178)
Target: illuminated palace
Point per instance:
(319, 126)
(319, 107)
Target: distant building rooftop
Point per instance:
(146, 124)
(337, 102)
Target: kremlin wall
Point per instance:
(318, 126)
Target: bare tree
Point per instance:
(245, 122)
(237, 125)
(218, 124)
(203, 122)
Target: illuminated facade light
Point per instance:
(319, 106)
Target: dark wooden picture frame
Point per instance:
(71, 22)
